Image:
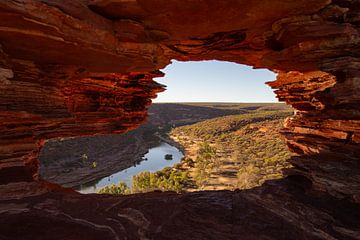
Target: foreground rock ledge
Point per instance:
(81, 67)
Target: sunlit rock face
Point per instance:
(81, 67)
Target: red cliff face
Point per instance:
(82, 67)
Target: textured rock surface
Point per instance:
(277, 210)
(69, 163)
(81, 67)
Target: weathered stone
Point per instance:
(81, 67)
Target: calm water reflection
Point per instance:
(153, 161)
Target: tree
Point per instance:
(120, 189)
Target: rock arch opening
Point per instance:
(230, 107)
(81, 68)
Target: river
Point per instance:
(152, 161)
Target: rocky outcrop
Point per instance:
(276, 211)
(85, 67)
(70, 162)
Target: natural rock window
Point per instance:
(83, 68)
(203, 138)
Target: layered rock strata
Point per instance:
(85, 67)
(279, 210)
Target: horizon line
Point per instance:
(219, 102)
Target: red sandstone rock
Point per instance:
(81, 67)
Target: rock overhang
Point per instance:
(74, 68)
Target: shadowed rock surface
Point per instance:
(85, 67)
(278, 210)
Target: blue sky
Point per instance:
(215, 81)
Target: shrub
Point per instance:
(168, 179)
(205, 162)
(189, 162)
(120, 189)
(248, 177)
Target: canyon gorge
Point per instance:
(71, 68)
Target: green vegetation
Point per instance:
(168, 179)
(248, 176)
(218, 127)
(238, 151)
(188, 162)
(205, 163)
(120, 189)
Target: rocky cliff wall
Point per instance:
(85, 67)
